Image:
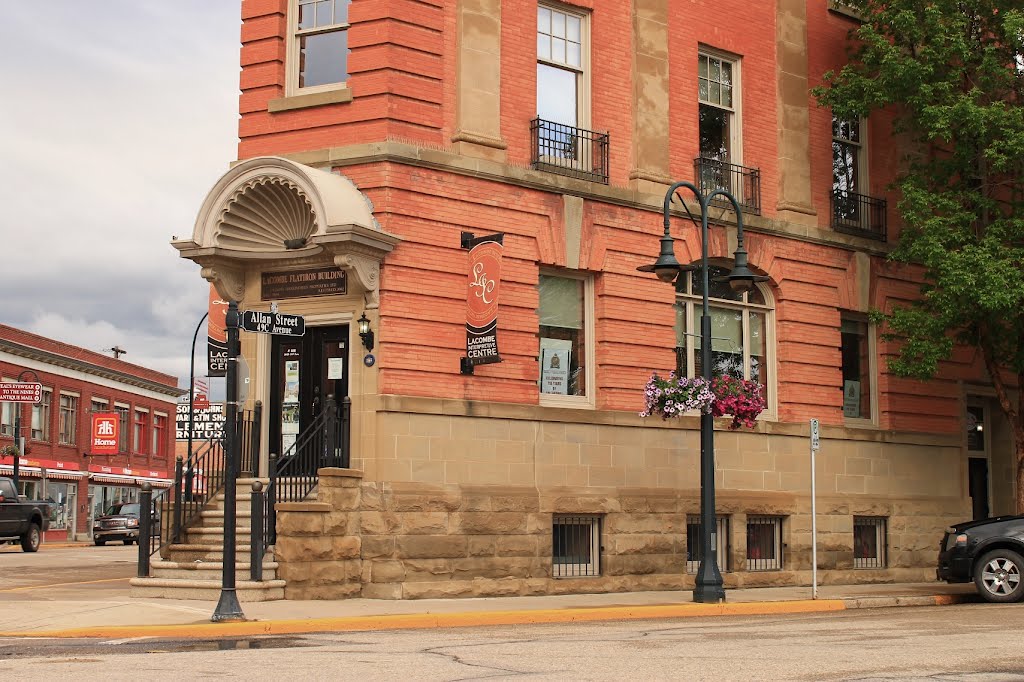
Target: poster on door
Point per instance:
(290, 405)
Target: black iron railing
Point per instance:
(742, 182)
(858, 214)
(567, 150)
(198, 480)
(294, 475)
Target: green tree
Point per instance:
(952, 74)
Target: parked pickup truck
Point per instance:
(20, 521)
(989, 552)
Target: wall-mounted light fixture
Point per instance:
(365, 333)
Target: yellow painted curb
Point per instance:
(440, 620)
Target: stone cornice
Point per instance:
(445, 160)
(57, 360)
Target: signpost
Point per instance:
(815, 446)
(273, 323)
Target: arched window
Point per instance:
(740, 329)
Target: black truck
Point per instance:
(22, 522)
(989, 552)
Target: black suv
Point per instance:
(989, 552)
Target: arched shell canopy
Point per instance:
(266, 206)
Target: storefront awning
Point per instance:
(110, 479)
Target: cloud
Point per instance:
(118, 118)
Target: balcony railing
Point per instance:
(742, 182)
(571, 151)
(858, 214)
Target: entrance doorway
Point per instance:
(978, 485)
(304, 372)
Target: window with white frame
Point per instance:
(565, 343)
(718, 106)
(319, 45)
(740, 341)
(764, 543)
(694, 548)
(41, 416)
(575, 545)
(562, 101)
(857, 366)
(869, 541)
(68, 421)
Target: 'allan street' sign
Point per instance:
(273, 323)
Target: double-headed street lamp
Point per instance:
(708, 586)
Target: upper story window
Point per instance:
(740, 330)
(847, 156)
(6, 416)
(566, 339)
(158, 447)
(41, 416)
(318, 54)
(68, 422)
(139, 432)
(857, 352)
(718, 107)
(122, 427)
(561, 52)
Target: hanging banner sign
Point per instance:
(482, 299)
(105, 426)
(217, 336)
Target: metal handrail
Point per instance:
(293, 476)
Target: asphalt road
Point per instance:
(64, 571)
(969, 643)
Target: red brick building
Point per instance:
(373, 133)
(57, 464)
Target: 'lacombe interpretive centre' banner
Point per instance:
(482, 298)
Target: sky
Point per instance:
(116, 119)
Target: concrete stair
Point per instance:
(193, 568)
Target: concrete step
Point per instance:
(191, 552)
(215, 536)
(207, 570)
(207, 590)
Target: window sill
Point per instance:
(313, 99)
(572, 402)
(851, 423)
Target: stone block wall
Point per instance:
(387, 540)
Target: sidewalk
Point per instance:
(119, 616)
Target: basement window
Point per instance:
(764, 543)
(869, 541)
(693, 545)
(575, 546)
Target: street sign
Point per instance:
(273, 323)
(815, 437)
(20, 392)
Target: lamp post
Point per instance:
(708, 587)
(192, 383)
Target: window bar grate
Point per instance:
(575, 546)
(764, 543)
(870, 542)
(694, 551)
